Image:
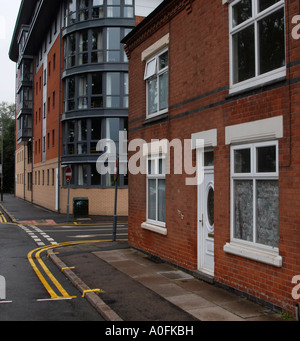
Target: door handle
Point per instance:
(201, 220)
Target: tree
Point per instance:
(7, 120)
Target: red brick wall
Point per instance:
(38, 115)
(198, 85)
(53, 112)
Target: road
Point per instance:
(35, 288)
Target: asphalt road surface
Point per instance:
(25, 296)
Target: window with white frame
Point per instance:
(255, 194)
(257, 42)
(157, 78)
(156, 190)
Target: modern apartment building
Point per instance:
(214, 100)
(71, 91)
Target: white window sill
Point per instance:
(154, 228)
(261, 80)
(271, 258)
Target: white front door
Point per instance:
(206, 218)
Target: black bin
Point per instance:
(81, 207)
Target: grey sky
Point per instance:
(8, 16)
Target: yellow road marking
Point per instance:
(67, 268)
(47, 286)
(93, 290)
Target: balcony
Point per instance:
(24, 128)
(25, 101)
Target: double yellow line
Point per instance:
(2, 218)
(36, 254)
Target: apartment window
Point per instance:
(128, 9)
(83, 11)
(97, 90)
(156, 190)
(70, 94)
(71, 11)
(113, 44)
(97, 46)
(97, 9)
(83, 55)
(157, 78)
(53, 177)
(29, 182)
(113, 90)
(114, 8)
(53, 99)
(83, 92)
(71, 50)
(255, 194)
(82, 137)
(82, 175)
(257, 42)
(54, 61)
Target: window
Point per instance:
(70, 91)
(83, 10)
(113, 44)
(113, 90)
(97, 46)
(71, 50)
(82, 137)
(156, 190)
(157, 78)
(54, 61)
(83, 92)
(128, 9)
(255, 195)
(53, 177)
(97, 92)
(97, 9)
(83, 48)
(114, 8)
(83, 175)
(257, 42)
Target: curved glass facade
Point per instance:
(95, 83)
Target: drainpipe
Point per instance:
(59, 110)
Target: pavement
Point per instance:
(124, 284)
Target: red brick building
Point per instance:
(224, 76)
